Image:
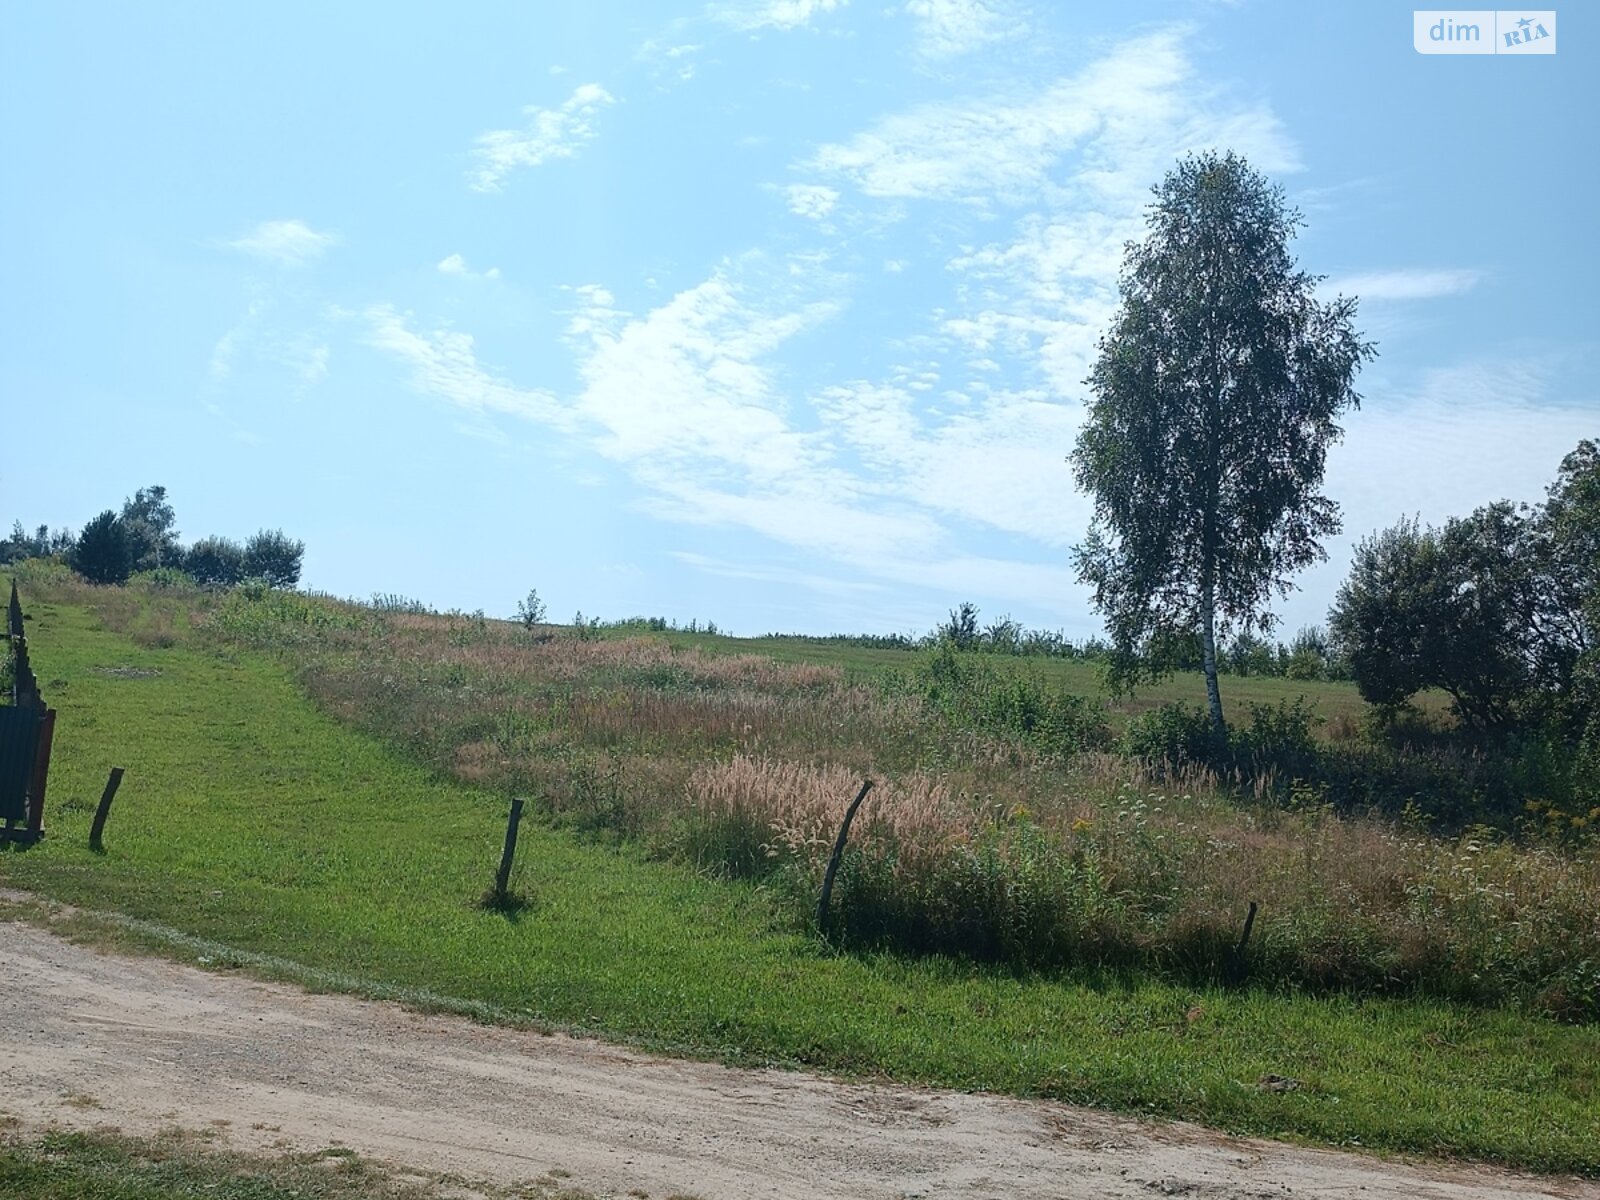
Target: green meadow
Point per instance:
(255, 828)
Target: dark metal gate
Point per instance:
(27, 729)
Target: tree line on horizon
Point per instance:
(142, 536)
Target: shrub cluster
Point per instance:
(971, 692)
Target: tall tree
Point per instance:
(102, 553)
(215, 562)
(1214, 400)
(274, 556)
(150, 522)
(1567, 563)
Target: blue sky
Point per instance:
(774, 312)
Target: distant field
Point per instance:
(1332, 701)
(250, 820)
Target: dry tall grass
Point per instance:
(971, 844)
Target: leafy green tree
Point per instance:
(1567, 552)
(1168, 650)
(1449, 608)
(1309, 656)
(150, 522)
(41, 543)
(275, 557)
(21, 544)
(1569, 618)
(1215, 397)
(1249, 654)
(531, 610)
(215, 562)
(961, 630)
(1004, 636)
(102, 553)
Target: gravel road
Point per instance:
(100, 1040)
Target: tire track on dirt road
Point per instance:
(104, 1040)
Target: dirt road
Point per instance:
(102, 1040)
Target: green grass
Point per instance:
(1333, 702)
(250, 820)
(77, 1166)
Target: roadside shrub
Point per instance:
(1172, 737)
(258, 614)
(394, 602)
(275, 557)
(971, 692)
(1278, 740)
(162, 579)
(103, 553)
(215, 562)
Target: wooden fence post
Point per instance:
(838, 853)
(1237, 967)
(502, 880)
(104, 811)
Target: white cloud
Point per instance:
(787, 576)
(687, 384)
(1126, 114)
(1448, 441)
(222, 354)
(999, 465)
(710, 401)
(1409, 284)
(445, 364)
(314, 364)
(549, 133)
(454, 264)
(811, 200)
(258, 344)
(671, 61)
(292, 243)
(774, 14)
(1079, 154)
(948, 28)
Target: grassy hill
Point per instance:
(319, 795)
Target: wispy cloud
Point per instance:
(259, 344)
(811, 200)
(549, 133)
(454, 264)
(707, 399)
(787, 576)
(688, 385)
(1443, 441)
(444, 363)
(949, 28)
(773, 14)
(1125, 114)
(227, 346)
(1408, 284)
(1078, 154)
(292, 243)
